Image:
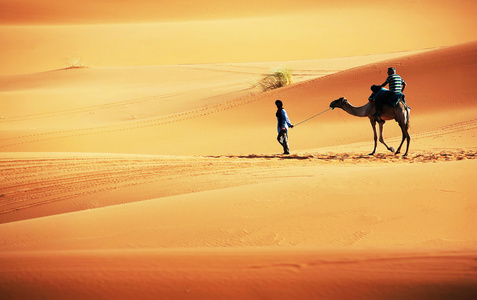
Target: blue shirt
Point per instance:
(282, 119)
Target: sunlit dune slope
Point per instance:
(440, 83)
(238, 202)
(39, 36)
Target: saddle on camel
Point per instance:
(382, 96)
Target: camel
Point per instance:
(400, 113)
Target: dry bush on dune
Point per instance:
(76, 62)
(276, 79)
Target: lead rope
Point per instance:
(312, 117)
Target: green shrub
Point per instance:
(276, 79)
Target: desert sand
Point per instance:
(138, 160)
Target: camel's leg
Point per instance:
(408, 142)
(405, 136)
(408, 138)
(402, 141)
(373, 124)
(381, 139)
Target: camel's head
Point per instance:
(338, 103)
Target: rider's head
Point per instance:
(391, 71)
(279, 103)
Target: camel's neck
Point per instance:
(361, 111)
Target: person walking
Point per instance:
(282, 126)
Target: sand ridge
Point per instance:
(55, 181)
(381, 157)
(244, 115)
(176, 269)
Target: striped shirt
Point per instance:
(395, 83)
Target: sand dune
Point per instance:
(184, 120)
(191, 206)
(45, 184)
(43, 36)
(153, 171)
(242, 225)
(237, 220)
(182, 274)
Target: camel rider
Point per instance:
(392, 97)
(282, 126)
(396, 84)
